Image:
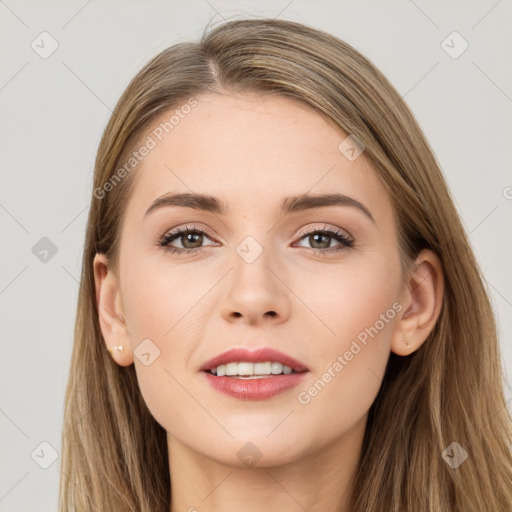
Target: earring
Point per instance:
(119, 348)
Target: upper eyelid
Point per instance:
(326, 228)
(181, 229)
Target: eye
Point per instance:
(324, 237)
(190, 237)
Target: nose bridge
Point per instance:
(252, 262)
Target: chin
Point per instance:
(258, 451)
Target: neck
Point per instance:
(317, 481)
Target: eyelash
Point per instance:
(338, 235)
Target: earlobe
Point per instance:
(110, 312)
(422, 298)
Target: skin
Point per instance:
(251, 151)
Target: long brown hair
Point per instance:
(114, 453)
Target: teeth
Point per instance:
(251, 370)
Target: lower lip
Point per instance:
(255, 389)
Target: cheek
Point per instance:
(347, 299)
(358, 309)
(156, 298)
(163, 316)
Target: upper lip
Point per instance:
(259, 355)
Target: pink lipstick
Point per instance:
(253, 374)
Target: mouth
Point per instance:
(253, 375)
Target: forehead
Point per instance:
(250, 150)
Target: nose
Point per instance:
(256, 292)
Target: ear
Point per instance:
(110, 311)
(422, 298)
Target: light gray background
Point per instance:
(53, 112)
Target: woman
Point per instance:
(279, 307)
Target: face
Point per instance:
(321, 285)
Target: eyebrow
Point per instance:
(289, 205)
